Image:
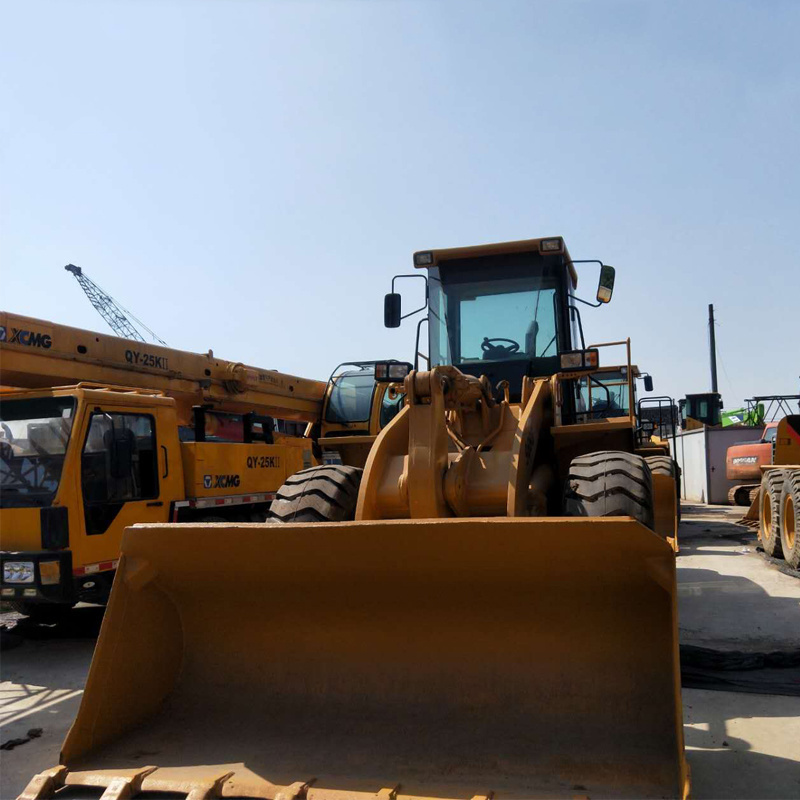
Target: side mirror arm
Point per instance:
(422, 307)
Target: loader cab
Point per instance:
(699, 410)
(506, 311)
(357, 407)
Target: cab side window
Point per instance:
(390, 408)
(119, 464)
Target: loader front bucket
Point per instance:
(751, 516)
(449, 658)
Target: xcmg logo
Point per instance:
(26, 338)
(220, 481)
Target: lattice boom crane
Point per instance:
(109, 309)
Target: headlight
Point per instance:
(391, 371)
(554, 245)
(18, 572)
(579, 359)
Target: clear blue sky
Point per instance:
(247, 176)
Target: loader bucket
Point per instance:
(752, 513)
(450, 658)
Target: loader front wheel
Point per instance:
(327, 493)
(790, 519)
(769, 522)
(610, 484)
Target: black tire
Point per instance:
(43, 613)
(610, 484)
(790, 518)
(328, 493)
(769, 515)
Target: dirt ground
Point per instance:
(739, 745)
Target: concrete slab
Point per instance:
(42, 684)
(729, 597)
(742, 745)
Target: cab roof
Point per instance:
(546, 245)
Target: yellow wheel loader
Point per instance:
(492, 614)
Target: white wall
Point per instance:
(701, 457)
(690, 453)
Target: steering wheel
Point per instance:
(498, 350)
(7, 431)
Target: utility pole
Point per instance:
(712, 343)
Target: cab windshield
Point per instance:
(603, 394)
(34, 434)
(350, 398)
(511, 316)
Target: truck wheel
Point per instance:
(790, 518)
(769, 517)
(664, 465)
(43, 613)
(328, 493)
(610, 484)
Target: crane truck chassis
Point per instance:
(178, 437)
(498, 619)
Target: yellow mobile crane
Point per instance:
(98, 433)
(498, 619)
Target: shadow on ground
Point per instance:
(725, 731)
(43, 673)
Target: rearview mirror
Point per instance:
(648, 383)
(605, 287)
(392, 304)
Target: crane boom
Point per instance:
(39, 354)
(108, 308)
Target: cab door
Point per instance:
(125, 477)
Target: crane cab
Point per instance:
(80, 464)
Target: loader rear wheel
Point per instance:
(790, 519)
(610, 484)
(664, 465)
(328, 493)
(769, 518)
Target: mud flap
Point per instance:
(452, 658)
